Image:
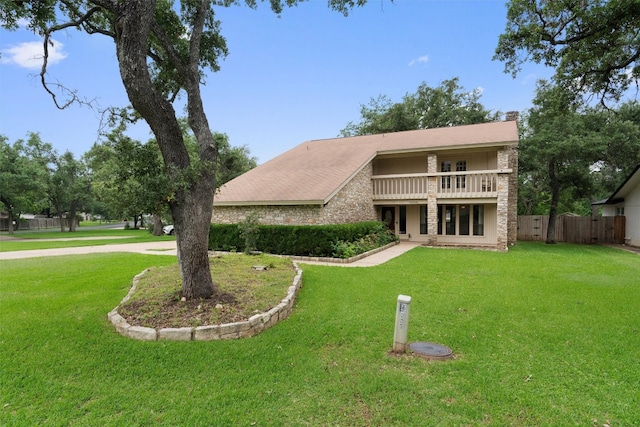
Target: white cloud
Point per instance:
(23, 23)
(420, 60)
(30, 54)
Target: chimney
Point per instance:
(511, 116)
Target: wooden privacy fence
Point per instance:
(574, 229)
(33, 224)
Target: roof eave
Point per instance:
(449, 147)
(270, 203)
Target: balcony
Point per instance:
(448, 185)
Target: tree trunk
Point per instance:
(193, 202)
(157, 225)
(10, 225)
(8, 205)
(553, 209)
(60, 215)
(72, 218)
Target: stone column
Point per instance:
(513, 196)
(432, 201)
(502, 231)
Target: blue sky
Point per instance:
(287, 79)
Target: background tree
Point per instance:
(592, 44)
(616, 152)
(621, 154)
(68, 188)
(24, 171)
(446, 105)
(232, 161)
(162, 50)
(569, 152)
(623, 146)
(130, 178)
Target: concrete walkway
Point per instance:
(169, 248)
(372, 260)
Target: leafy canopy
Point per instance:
(24, 171)
(594, 45)
(429, 107)
(570, 154)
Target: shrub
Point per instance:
(302, 240)
(225, 237)
(249, 230)
(346, 249)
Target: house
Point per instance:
(625, 201)
(453, 186)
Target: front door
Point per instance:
(389, 217)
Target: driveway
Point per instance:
(169, 248)
(149, 248)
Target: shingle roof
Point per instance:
(313, 171)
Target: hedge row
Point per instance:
(302, 240)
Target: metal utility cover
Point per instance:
(430, 350)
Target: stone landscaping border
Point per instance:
(248, 328)
(345, 260)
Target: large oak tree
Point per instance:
(163, 48)
(571, 153)
(594, 45)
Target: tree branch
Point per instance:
(196, 34)
(45, 60)
(167, 45)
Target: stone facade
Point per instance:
(351, 204)
(268, 214)
(432, 201)
(503, 199)
(512, 232)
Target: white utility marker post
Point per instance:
(402, 324)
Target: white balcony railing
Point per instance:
(453, 185)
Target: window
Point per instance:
(619, 211)
(478, 220)
(446, 180)
(403, 220)
(450, 219)
(424, 213)
(457, 220)
(461, 180)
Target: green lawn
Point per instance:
(543, 336)
(94, 223)
(56, 239)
